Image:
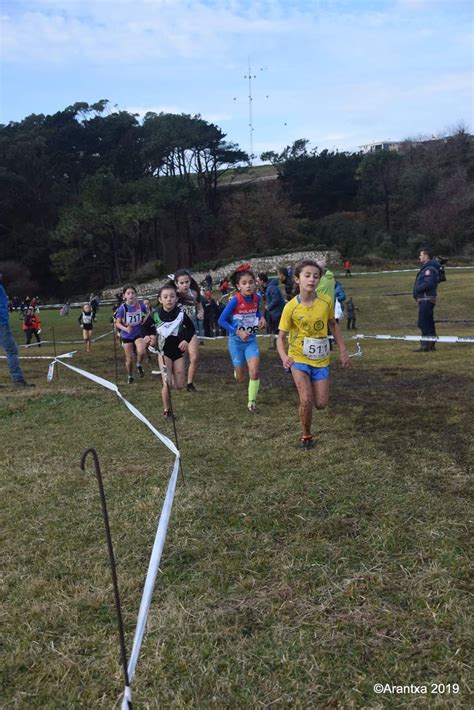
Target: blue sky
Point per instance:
(340, 73)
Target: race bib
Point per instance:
(134, 318)
(249, 324)
(316, 348)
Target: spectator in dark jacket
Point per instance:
(287, 280)
(274, 302)
(425, 292)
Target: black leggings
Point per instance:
(29, 334)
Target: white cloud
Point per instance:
(122, 30)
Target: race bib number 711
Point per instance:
(316, 348)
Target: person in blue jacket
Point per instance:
(274, 302)
(7, 342)
(425, 292)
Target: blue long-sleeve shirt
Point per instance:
(228, 319)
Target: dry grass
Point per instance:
(289, 579)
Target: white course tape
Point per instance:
(397, 271)
(127, 696)
(66, 342)
(151, 574)
(417, 338)
(41, 357)
(154, 564)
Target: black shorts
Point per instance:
(87, 326)
(125, 341)
(171, 349)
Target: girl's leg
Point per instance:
(305, 394)
(128, 351)
(193, 351)
(240, 374)
(179, 372)
(321, 393)
(85, 335)
(38, 338)
(166, 367)
(253, 365)
(141, 350)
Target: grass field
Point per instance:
(289, 579)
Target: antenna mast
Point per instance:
(250, 76)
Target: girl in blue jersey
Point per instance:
(129, 318)
(242, 319)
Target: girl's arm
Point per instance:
(118, 321)
(188, 332)
(336, 331)
(281, 347)
(225, 318)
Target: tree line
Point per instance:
(92, 197)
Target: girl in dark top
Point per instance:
(85, 321)
(189, 299)
(175, 331)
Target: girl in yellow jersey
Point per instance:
(305, 322)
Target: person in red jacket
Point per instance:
(347, 267)
(31, 325)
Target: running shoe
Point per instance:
(140, 371)
(153, 350)
(130, 380)
(306, 443)
(190, 387)
(168, 414)
(252, 407)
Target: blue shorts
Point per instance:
(315, 373)
(242, 350)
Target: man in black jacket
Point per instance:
(425, 292)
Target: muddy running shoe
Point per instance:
(190, 387)
(252, 407)
(130, 380)
(307, 443)
(140, 371)
(22, 383)
(168, 414)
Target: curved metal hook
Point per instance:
(94, 455)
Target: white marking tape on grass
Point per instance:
(398, 271)
(40, 357)
(417, 338)
(66, 342)
(160, 536)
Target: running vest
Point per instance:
(245, 314)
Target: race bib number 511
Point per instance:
(316, 348)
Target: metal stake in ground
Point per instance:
(54, 347)
(115, 354)
(164, 375)
(105, 516)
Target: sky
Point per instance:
(340, 73)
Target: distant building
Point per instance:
(381, 145)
